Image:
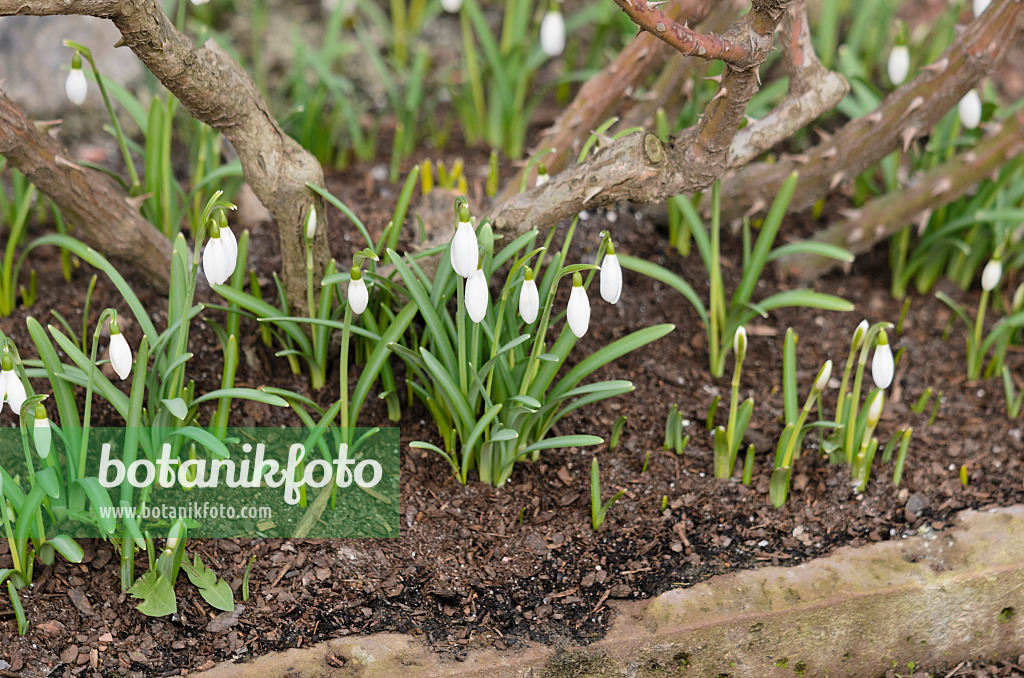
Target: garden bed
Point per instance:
(478, 567)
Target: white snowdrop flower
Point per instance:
(739, 343)
(875, 408)
(611, 277)
(542, 176)
(578, 310)
(552, 33)
(899, 64)
(76, 85)
(991, 275)
(464, 249)
(41, 434)
(529, 298)
(477, 296)
(311, 223)
(969, 109)
(824, 374)
(358, 295)
(451, 6)
(12, 391)
(881, 362)
(858, 335)
(980, 6)
(199, 2)
(119, 353)
(220, 255)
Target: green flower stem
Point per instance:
(975, 359)
(108, 313)
(730, 430)
(842, 387)
(787, 458)
(12, 543)
(460, 330)
(346, 334)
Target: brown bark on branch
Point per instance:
(94, 202)
(884, 216)
(910, 111)
(639, 167)
(219, 92)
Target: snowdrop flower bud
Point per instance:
(552, 33)
(76, 85)
(542, 176)
(220, 255)
(980, 6)
(477, 296)
(451, 6)
(739, 343)
(529, 298)
(858, 336)
(41, 432)
(464, 250)
(881, 362)
(875, 408)
(12, 391)
(578, 311)
(611, 276)
(199, 2)
(358, 295)
(173, 535)
(311, 223)
(899, 64)
(824, 374)
(970, 110)
(119, 353)
(991, 275)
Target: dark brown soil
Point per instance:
(478, 566)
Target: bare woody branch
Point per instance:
(96, 203)
(884, 216)
(639, 167)
(905, 114)
(219, 92)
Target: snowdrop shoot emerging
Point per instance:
(464, 248)
(611, 276)
(358, 295)
(119, 353)
(41, 434)
(76, 85)
(12, 391)
(477, 297)
(881, 362)
(529, 298)
(969, 109)
(578, 311)
(552, 32)
(220, 255)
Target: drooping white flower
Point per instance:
(969, 109)
(881, 362)
(875, 408)
(991, 275)
(477, 296)
(41, 432)
(529, 298)
(611, 277)
(899, 64)
(220, 255)
(542, 176)
(358, 295)
(578, 310)
(980, 6)
(464, 249)
(311, 223)
(12, 391)
(76, 85)
(739, 343)
(824, 374)
(451, 6)
(119, 353)
(552, 33)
